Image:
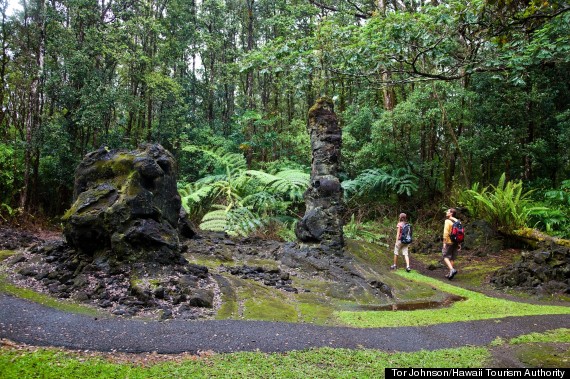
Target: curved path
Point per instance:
(27, 322)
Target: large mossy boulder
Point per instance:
(126, 205)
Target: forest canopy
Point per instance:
(433, 97)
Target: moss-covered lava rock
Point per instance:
(126, 205)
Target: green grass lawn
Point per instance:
(476, 307)
(313, 363)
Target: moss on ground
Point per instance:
(6, 254)
(544, 355)
(262, 303)
(323, 301)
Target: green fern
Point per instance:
(505, 206)
(223, 159)
(264, 202)
(363, 231)
(216, 221)
(240, 201)
(243, 221)
(289, 184)
(378, 181)
(560, 196)
(555, 220)
(234, 221)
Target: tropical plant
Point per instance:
(377, 181)
(364, 231)
(241, 201)
(555, 217)
(506, 206)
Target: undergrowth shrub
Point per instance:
(506, 206)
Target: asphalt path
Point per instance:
(31, 323)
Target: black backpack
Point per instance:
(457, 232)
(406, 236)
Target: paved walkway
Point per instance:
(27, 322)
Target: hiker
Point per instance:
(451, 247)
(403, 239)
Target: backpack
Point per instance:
(457, 232)
(406, 236)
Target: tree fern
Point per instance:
(234, 221)
(195, 194)
(287, 183)
(223, 159)
(249, 198)
(403, 182)
(378, 181)
(243, 221)
(216, 220)
(264, 202)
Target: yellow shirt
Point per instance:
(447, 226)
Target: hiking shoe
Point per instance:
(452, 274)
(393, 267)
(408, 269)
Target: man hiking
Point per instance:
(451, 241)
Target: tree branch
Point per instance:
(333, 9)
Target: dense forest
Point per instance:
(440, 102)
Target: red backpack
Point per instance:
(457, 232)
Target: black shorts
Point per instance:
(449, 251)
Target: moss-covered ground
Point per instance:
(322, 301)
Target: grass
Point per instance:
(561, 335)
(549, 350)
(313, 363)
(476, 307)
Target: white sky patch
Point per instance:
(13, 7)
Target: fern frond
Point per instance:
(216, 221)
(194, 196)
(242, 221)
(233, 161)
(287, 183)
(379, 181)
(261, 201)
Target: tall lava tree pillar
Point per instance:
(322, 223)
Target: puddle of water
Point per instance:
(448, 301)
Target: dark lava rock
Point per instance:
(268, 276)
(542, 271)
(322, 223)
(12, 239)
(126, 206)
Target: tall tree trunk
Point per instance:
(249, 79)
(527, 160)
(35, 98)
(4, 59)
(389, 95)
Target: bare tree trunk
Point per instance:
(3, 60)
(389, 96)
(35, 99)
(249, 79)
